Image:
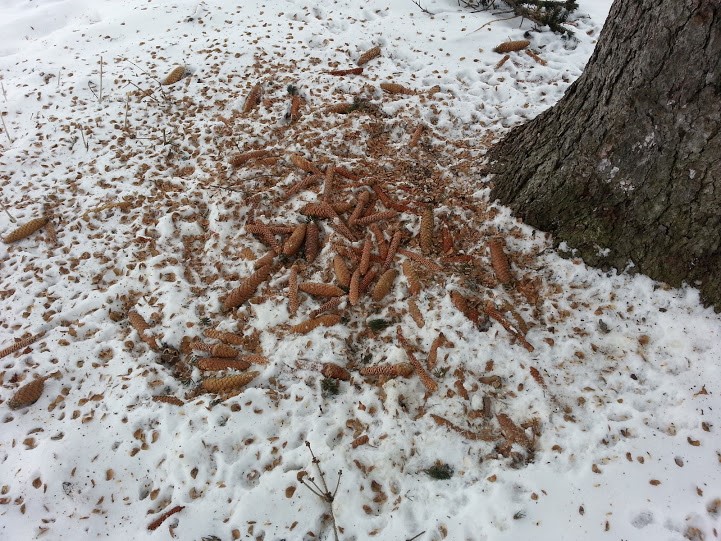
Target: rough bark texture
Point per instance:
(630, 159)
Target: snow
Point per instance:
(621, 416)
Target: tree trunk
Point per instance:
(627, 166)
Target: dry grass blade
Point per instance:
(334, 371)
(20, 344)
(402, 370)
(428, 382)
(26, 229)
(485, 435)
(253, 99)
(395, 88)
(369, 55)
(228, 383)
(426, 231)
(510, 46)
(327, 320)
(499, 261)
(342, 273)
(427, 263)
(384, 284)
(241, 159)
(246, 290)
(415, 313)
(28, 394)
(295, 241)
(321, 290)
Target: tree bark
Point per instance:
(626, 167)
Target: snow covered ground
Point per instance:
(604, 426)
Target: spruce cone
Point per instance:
(391, 370)
(215, 363)
(499, 261)
(301, 163)
(327, 320)
(321, 290)
(394, 88)
(239, 159)
(426, 233)
(415, 313)
(26, 229)
(510, 46)
(225, 351)
(377, 217)
(246, 290)
(253, 98)
(293, 300)
(354, 288)
(369, 55)
(414, 284)
(27, 394)
(228, 383)
(341, 271)
(175, 75)
(365, 261)
(312, 242)
(295, 241)
(384, 284)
